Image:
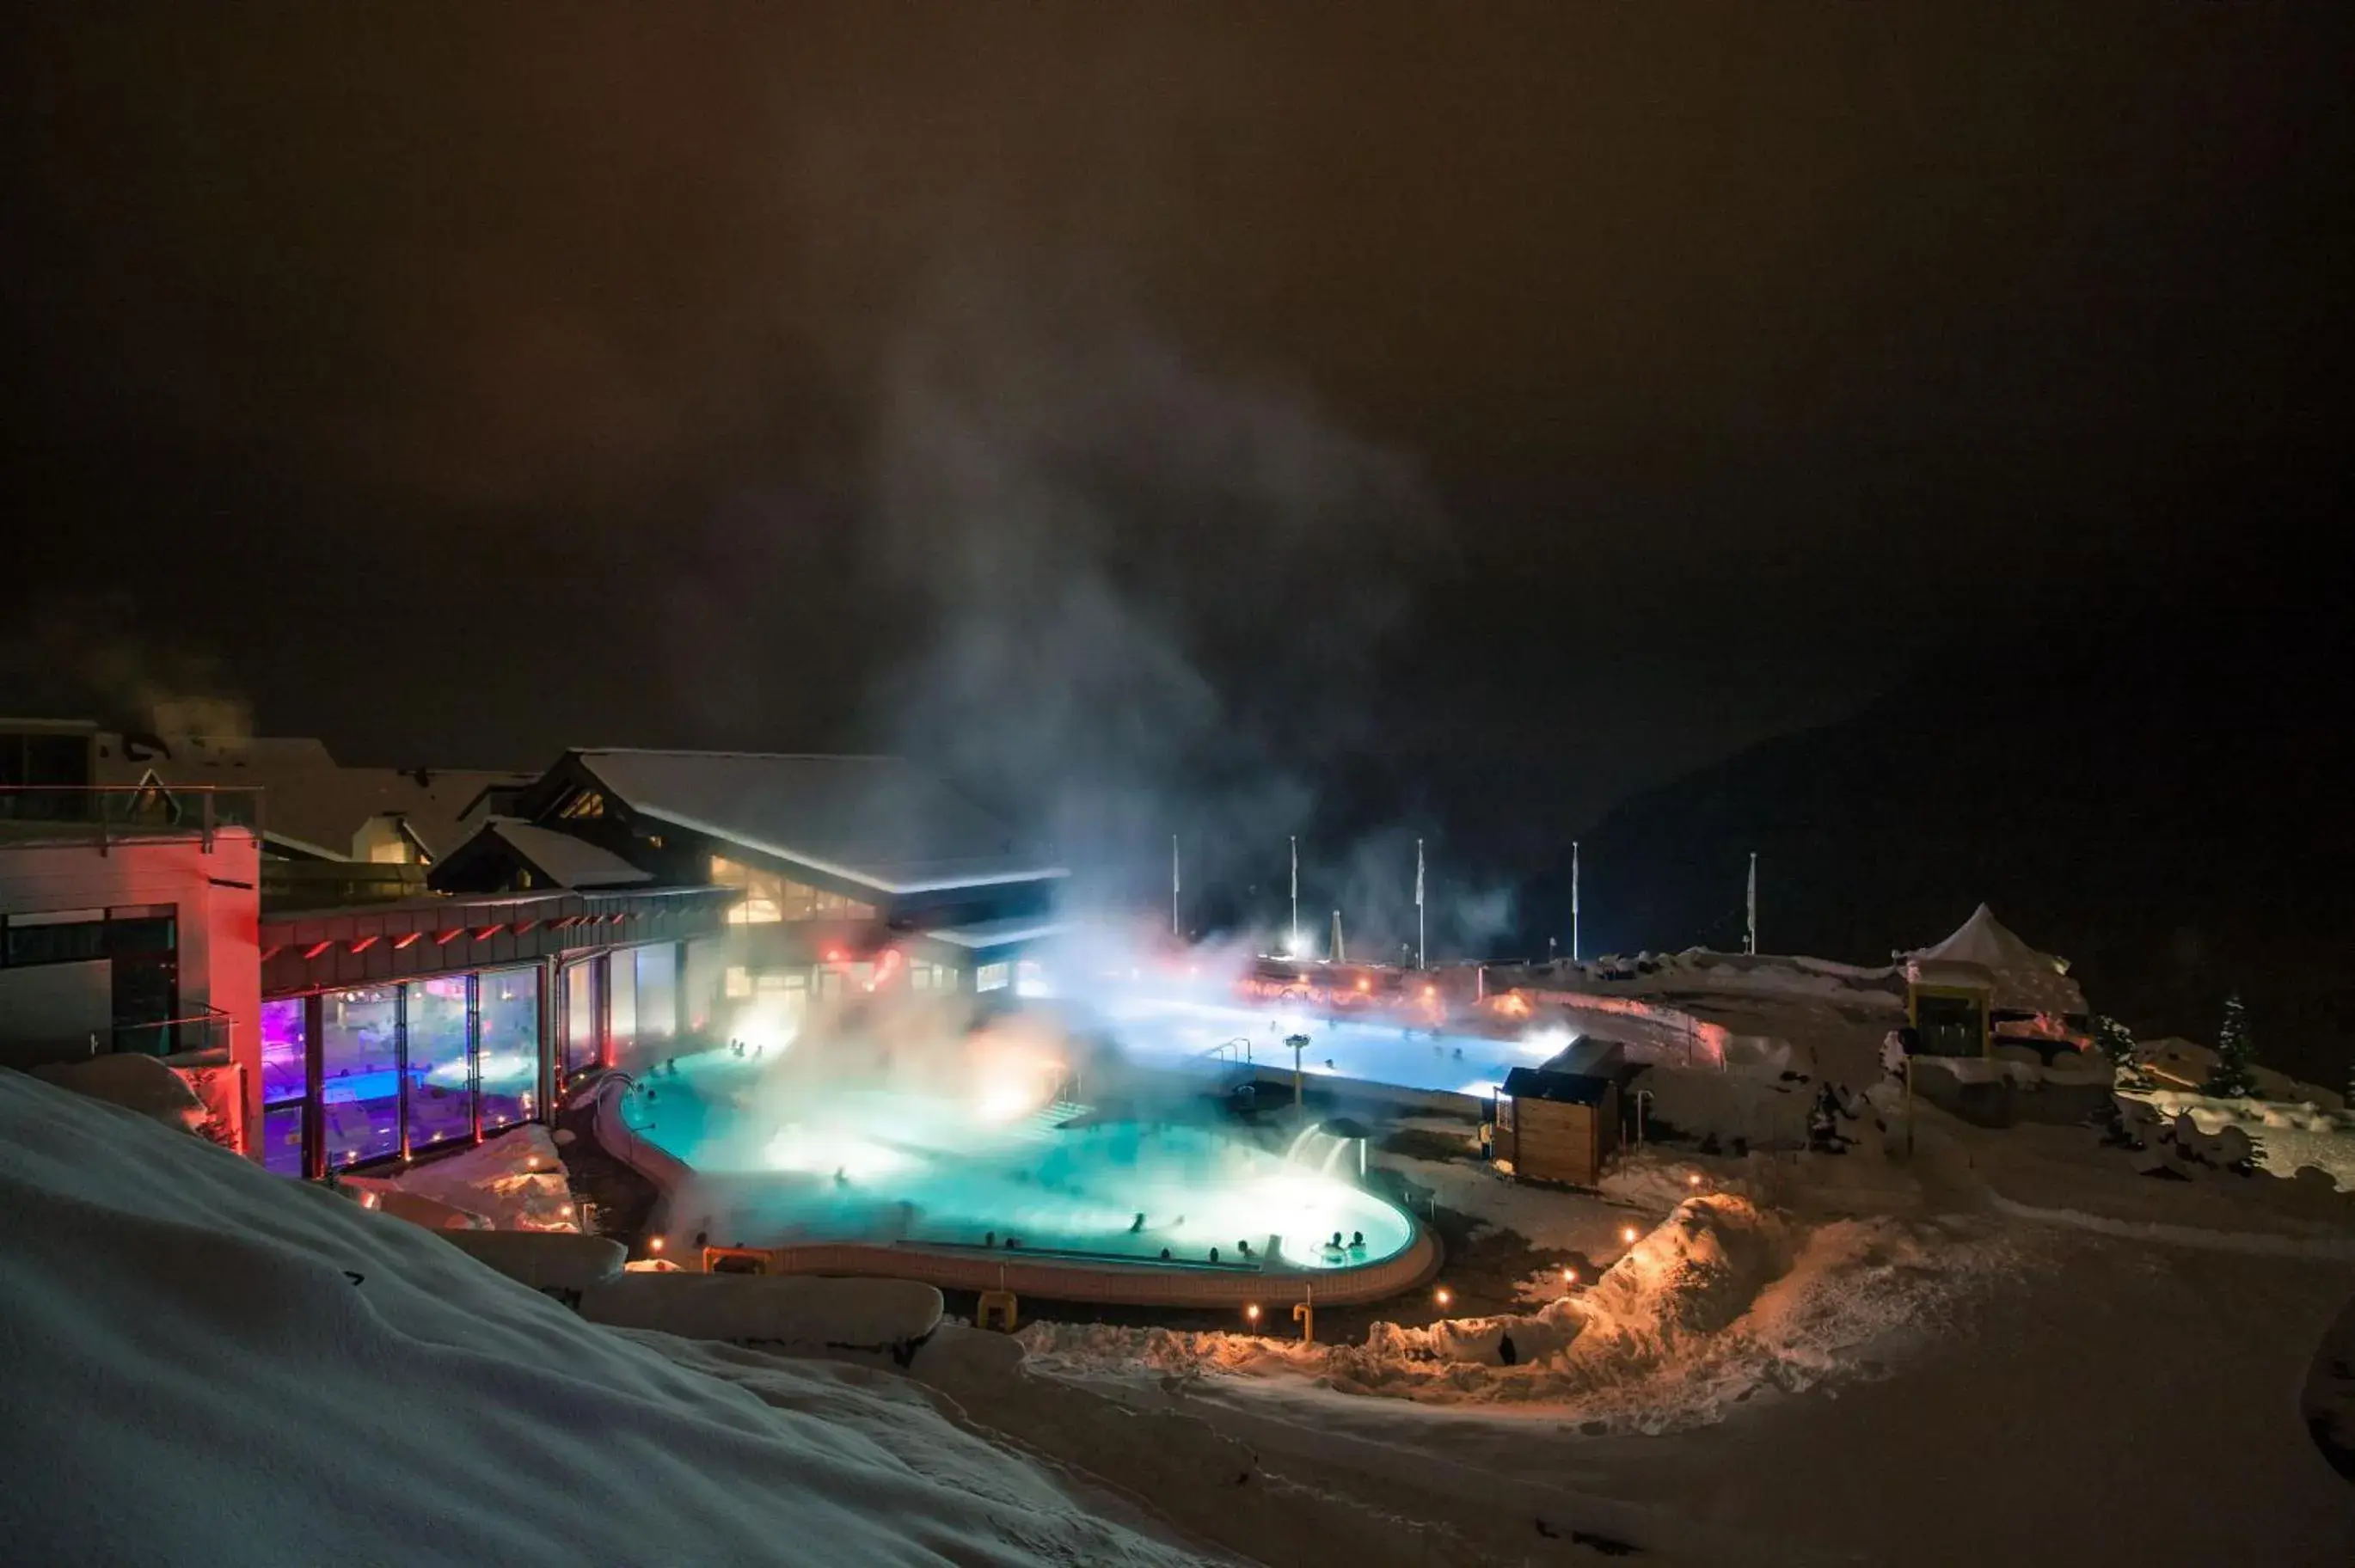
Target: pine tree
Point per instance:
(2235, 1055)
(2118, 1042)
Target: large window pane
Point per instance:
(439, 1109)
(509, 1003)
(281, 1138)
(284, 1084)
(359, 1087)
(282, 1070)
(657, 994)
(622, 1006)
(580, 1019)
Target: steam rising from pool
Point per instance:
(905, 1119)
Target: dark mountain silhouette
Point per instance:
(2164, 800)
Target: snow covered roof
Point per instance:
(567, 861)
(1587, 1057)
(309, 801)
(2025, 979)
(881, 822)
(1562, 1088)
(998, 932)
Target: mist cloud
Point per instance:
(1158, 588)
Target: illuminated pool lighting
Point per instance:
(972, 1164)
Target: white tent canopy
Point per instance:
(2026, 981)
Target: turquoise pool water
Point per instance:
(780, 1164)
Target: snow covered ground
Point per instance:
(207, 1363)
(1814, 1359)
(1716, 1304)
(2286, 1136)
(515, 1181)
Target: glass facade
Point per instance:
(286, 1084)
(359, 1073)
(439, 1074)
(580, 1019)
(657, 969)
(421, 1062)
(621, 1005)
(509, 1000)
(993, 976)
(769, 898)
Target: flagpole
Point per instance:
(1573, 901)
(1296, 898)
(1753, 903)
(1418, 904)
(1173, 888)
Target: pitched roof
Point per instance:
(567, 861)
(2025, 979)
(1562, 1088)
(309, 799)
(1000, 932)
(881, 822)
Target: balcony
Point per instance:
(291, 885)
(106, 815)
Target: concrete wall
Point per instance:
(212, 891)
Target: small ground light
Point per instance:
(1251, 1312)
(1569, 1277)
(1694, 1179)
(655, 1244)
(1627, 1235)
(1444, 1296)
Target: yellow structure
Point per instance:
(996, 1311)
(1951, 1006)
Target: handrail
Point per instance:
(205, 1029)
(130, 810)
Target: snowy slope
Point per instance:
(207, 1364)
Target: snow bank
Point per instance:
(813, 1316)
(515, 1181)
(562, 1264)
(209, 1363)
(2285, 1136)
(139, 1083)
(1719, 1301)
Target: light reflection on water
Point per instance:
(871, 1164)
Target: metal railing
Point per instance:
(205, 1031)
(112, 813)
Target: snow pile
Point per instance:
(1649, 1178)
(2285, 1137)
(207, 1363)
(515, 1181)
(1719, 1301)
(805, 1314)
(136, 1083)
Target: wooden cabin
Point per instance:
(1557, 1126)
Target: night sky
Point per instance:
(1496, 409)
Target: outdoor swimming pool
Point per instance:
(781, 1163)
